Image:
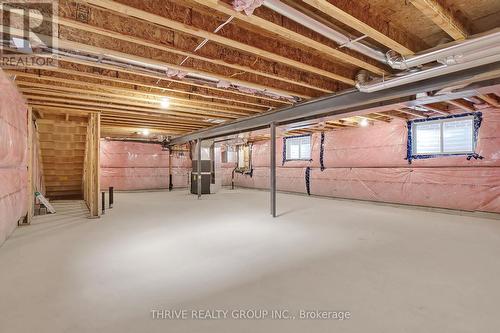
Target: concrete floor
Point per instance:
(395, 269)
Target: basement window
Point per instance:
(443, 136)
(297, 148)
(229, 155)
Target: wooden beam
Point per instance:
(159, 78)
(442, 17)
(435, 109)
(412, 113)
(155, 100)
(491, 100)
(120, 104)
(172, 24)
(92, 165)
(469, 107)
(78, 76)
(346, 18)
(31, 165)
(99, 51)
(130, 130)
(85, 110)
(127, 38)
(291, 36)
(62, 43)
(184, 102)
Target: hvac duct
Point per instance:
(472, 59)
(447, 54)
(324, 30)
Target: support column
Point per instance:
(272, 174)
(170, 182)
(198, 166)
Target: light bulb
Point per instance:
(364, 122)
(165, 103)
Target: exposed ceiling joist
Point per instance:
(79, 76)
(140, 96)
(105, 103)
(172, 24)
(340, 15)
(122, 100)
(353, 103)
(291, 36)
(442, 17)
(139, 41)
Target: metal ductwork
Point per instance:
(446, 54)
(324, 30)
(459, 56)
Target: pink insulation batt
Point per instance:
(140, 166)
(369, 164)
(13, 157)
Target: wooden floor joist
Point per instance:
(139, 41)
(442, 17)
(291, 36)
(79, 76)
(172, 24)
(104, 105)
(346, 18)
(122, 100)
(110, 91)
(60, 105)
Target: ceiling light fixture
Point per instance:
(165, 102)
(145, 132)
(364, 122)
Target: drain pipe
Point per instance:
(295, 15)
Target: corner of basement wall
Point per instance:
(136, 166)
(13, 156)
(369, 164)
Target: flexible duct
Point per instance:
(324, 30)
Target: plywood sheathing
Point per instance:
(203, 21)
(406, 17)
(440, 13)
(372, 21)
(277, 27)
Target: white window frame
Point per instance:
(300, 148)
(441, 144)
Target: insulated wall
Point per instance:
(369, 164)
(13, 157)
(141, 166)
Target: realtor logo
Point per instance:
(28, 33)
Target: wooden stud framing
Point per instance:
(92, 165)
(31, 152)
